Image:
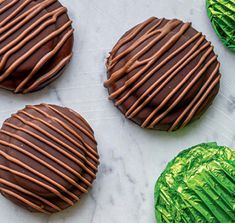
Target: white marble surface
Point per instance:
(131, 158)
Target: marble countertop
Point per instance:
(131, 158)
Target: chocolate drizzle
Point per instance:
(162, 74)
(36, 41)
(51, 148)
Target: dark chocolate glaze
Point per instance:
(163, 74)
(48, 158)
(36, 40)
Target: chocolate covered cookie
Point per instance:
(36, 40)
(163, 74)
(48, 158)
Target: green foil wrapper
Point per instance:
(222, 16)
(198, 186)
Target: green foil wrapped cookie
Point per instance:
(198, 186)
(222, 16)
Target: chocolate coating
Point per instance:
(163, 74)
(48, 158)
(36, 40)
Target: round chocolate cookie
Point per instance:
(48, 158)
(163, 74)
(222, 16)
(198, 186)
(36, 40)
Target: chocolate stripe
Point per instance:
(22, 199)
(171, 56)
(17, 20)
(215, 82)
(30, 52)
(61, 163)
(48, 143)
(32, 156)
(149, 62)
(142, 54)
(165, 77)
(87, 133)
(47, 187)
(49, 136)
(43, 158)
(77, 136)
(175, 90)
(24, 35)
(21, 20)
(20, 189)
(18, 162)
(163, 32)
(201, 94)
(43, 61)
(136, 43)
(6, 7)
(13, 14)
(49, 75)
(71, 140)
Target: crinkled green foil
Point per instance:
(222, 16)
(198, 186)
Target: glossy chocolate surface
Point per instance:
(48, 158)
(163, 74)
(36, 40)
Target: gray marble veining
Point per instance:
(131, 158)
